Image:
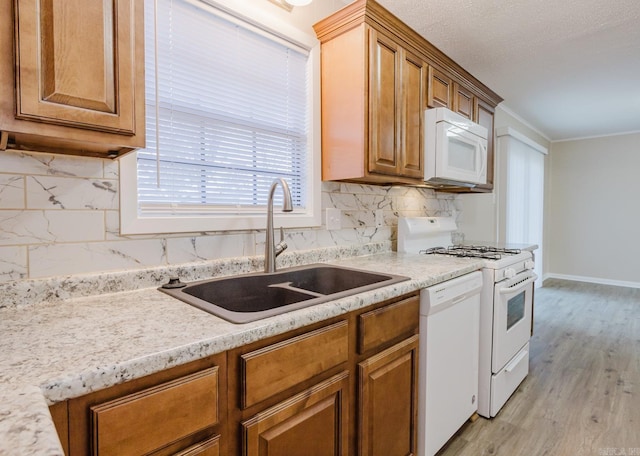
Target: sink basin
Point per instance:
(250, 297)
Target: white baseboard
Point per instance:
(617, 283)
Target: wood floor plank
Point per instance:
(582, 395)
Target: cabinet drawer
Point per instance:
(380, 326)
(150, 419)
(277, 367)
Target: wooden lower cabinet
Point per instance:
(173, 410)
(314, 422)
(179, 411)
(344, 386)
(387, 412)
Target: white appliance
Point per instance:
(506, 304)
(449, 347)
(455, 149)
(506, 312)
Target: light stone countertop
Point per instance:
(57, 351)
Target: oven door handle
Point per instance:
(514, 363)
(519, 285)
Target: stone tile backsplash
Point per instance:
(59, 217)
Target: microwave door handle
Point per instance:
(482, 151)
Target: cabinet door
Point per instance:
(388, 403)
(384, 103)
(77, 63)
(439, 89)
(462, 101)
(312, 423)
(414, 76)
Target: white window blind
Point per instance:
(524, 211)
(227, 112)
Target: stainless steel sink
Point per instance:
(251, 297)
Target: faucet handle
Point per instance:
(281, 246)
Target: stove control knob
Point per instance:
(509, 273)
(529, 264)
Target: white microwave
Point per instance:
(455, 149)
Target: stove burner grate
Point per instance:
(471, 251)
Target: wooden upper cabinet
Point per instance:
(377, 78)
(373, 99)
(78, 76)
(463, 101)
(396, 101)
(440, 89)
(385, 66)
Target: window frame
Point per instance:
(133, 222)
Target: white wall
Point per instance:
(594, 210)
(479, 212)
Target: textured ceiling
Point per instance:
(570, 68)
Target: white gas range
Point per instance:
(506, 305)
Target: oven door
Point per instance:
(512, 313)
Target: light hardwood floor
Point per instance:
(582, 395)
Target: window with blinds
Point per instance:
(227, 113)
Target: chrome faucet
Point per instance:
(271, 251)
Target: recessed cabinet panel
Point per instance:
(76, 63)
(385, 75)
(440, 89)
(463, 101)
(414, 75)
